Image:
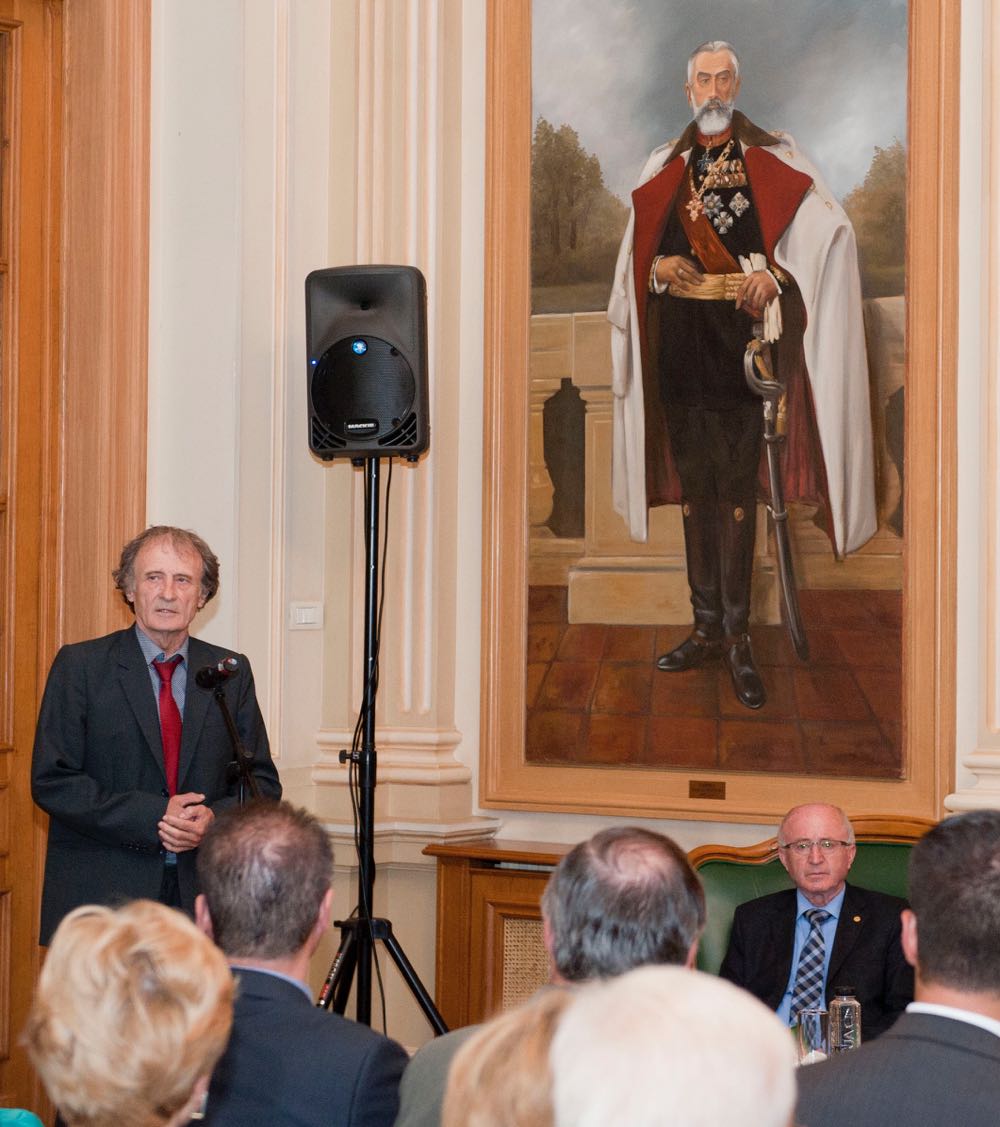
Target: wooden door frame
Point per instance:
(91, 417)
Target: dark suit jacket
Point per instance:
(421, 1094)
(925, 1071)
(866, 953)
(98, 771)
(290, 1064)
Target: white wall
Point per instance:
(239, 214)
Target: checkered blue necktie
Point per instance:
(808, 991)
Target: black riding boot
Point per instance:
(701, 547)
(736, 532)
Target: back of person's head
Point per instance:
(624, 898)
(669, 1047)
(264, 869)
(501, 1076)
(132, 1012)
(955, 895)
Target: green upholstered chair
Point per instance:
(732, 875)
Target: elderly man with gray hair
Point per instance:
(793, 948)
(732, 226)
(625, 898)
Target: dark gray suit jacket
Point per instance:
(97, 769)
(290, 1064)
(866, 953)
(421, 1094)
(927, 1070)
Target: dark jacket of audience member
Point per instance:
(265, 874)
(940, 1062)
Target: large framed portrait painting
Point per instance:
(720, 335)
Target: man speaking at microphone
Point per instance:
(132, 755)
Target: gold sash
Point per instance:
(715, 287)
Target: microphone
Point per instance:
(212, 676)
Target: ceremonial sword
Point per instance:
(760, 380)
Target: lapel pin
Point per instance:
(857, 919)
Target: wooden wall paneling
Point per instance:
(74, 311)
(486, 891)
(454, 931)
(30, 119)
(106, 305)
(496, 896)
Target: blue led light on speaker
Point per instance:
(359, 347)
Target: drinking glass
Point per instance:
(813, 1036)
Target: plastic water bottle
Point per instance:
(845, 1020)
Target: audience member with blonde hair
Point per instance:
(501, 1076)
(663, 1046)
(132, 1011)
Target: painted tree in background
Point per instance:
(877, 209)
(576, 223)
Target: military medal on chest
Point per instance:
(722, 172)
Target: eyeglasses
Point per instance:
(804, 846)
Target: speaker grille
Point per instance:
(362, 389)
(404, 435)
(322, 439)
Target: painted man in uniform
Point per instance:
(732, 226)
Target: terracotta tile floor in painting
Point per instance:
(595, 696)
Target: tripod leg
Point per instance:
(413, 981)
(337, 986)
(343, 988)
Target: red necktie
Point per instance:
(170, 721)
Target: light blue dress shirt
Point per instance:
(178, 683)
(802, 928)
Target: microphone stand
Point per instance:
(358, 934)
(244, 760)
(216, 679)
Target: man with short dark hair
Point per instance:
(625, 898)
(793, 948)
(940, 1062)
(132, 757)
(265, 872)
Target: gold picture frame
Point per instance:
(507, 779)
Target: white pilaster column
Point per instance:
(978, 650)
(395, 194)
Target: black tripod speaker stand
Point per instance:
(359, 933)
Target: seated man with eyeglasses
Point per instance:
(792, 949)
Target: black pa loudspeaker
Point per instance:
(366, 342)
